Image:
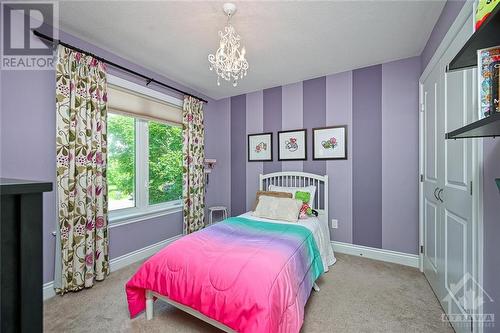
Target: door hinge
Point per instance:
(421, 107)
(421, 249)
(471, 187)
(421, 178)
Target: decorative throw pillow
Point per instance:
(270, 194)
(274, 208)
(304, 196)
(311, 189)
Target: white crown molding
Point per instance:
(120, 262)
(401, 258)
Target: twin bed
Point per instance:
(244, 274)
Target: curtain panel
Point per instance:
(193, 133)
(81, 186)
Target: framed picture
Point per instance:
(260, 147)
(330, 143)
(292, 145)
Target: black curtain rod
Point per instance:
(120, 67)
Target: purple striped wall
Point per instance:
(254, 124)
(238, 154)
(400, 92)
(367, 156)
(272, 123)
(338, 100)
(314, 115)
(361, 99)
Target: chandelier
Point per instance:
(228, 61)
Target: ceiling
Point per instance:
(286, 41)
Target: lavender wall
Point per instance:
(443, 24)
(367, 156)
(360, 99)
(491, 225)
(27, 148)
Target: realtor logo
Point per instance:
(21, 49)
(469, 295)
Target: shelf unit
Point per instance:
(488, 35)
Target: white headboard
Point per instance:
(300, 179)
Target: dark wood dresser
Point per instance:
(21, 269)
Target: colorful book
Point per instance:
(486, 58)
(495, 86)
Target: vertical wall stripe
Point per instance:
(254, 124)
(314, 115)
(217, 121)
(292, 118)
(272, 123)
(238, 155)
(339, 112)
(367, 156)
(400, 143)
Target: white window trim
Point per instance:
(142, 210)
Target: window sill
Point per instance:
(123, 218)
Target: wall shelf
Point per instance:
(486, 127)
(488, 35)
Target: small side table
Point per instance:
(216, 209)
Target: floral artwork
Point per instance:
(81, 183)
(330, 143)
(292, 145)
(260, 147)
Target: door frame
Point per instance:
(477, 160)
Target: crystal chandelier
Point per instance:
(228, 61)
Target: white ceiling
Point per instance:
(286, 42)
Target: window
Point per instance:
(144, 151)
(144, 165)
(121, 162)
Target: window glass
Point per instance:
(165, 162)
(121, 161)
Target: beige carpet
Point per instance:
(357, 295)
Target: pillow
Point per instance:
(270, 194)
(304, 196)
(311, 189)
(274, 208)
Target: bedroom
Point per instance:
(365, 118)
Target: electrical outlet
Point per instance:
(335, 224)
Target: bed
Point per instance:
(244, 274)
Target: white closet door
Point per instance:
(449, 103)
(432, 255)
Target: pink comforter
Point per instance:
(251, 276)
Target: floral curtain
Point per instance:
(82, 203)
(193, 165)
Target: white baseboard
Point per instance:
(120, 262)
(401, 258)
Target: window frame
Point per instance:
(142, 209)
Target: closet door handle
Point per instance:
(435, 196)
(439, 195)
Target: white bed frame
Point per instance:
(285, 178)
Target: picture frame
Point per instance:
(330, 143)
(292, 145)
(260, 147)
